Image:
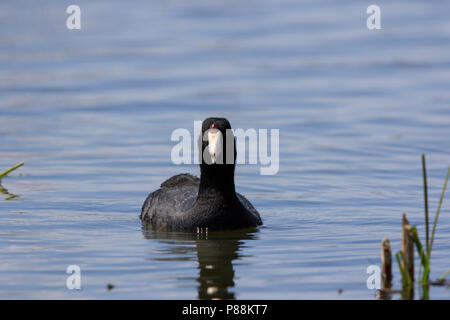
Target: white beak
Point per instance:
(214, 144)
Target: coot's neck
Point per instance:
(217, 181)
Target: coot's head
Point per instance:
(217, 153)
(217, 146)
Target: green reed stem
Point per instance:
(406, 279)
(444, 275)
(4, 173)
(438, 211)
(424, 259)
(425, 194)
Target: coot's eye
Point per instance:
(214, 126)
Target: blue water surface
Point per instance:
(91, 112)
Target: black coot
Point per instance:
(185, 202)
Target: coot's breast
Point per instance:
(167, 207)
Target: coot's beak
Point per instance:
(214, 144)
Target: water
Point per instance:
(91, 113)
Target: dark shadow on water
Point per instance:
(216, 252)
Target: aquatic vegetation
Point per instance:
(3, 190)
(410, 237)
(425, 254)
(6, 172)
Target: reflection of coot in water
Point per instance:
(185, 202)
(215, 251)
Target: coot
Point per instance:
(185, 202)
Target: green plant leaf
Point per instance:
(441, 279)
(4, 173)
(424, 260)
(406, 272)
(438, 210)
(425, 195)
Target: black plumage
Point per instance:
(185, 202)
